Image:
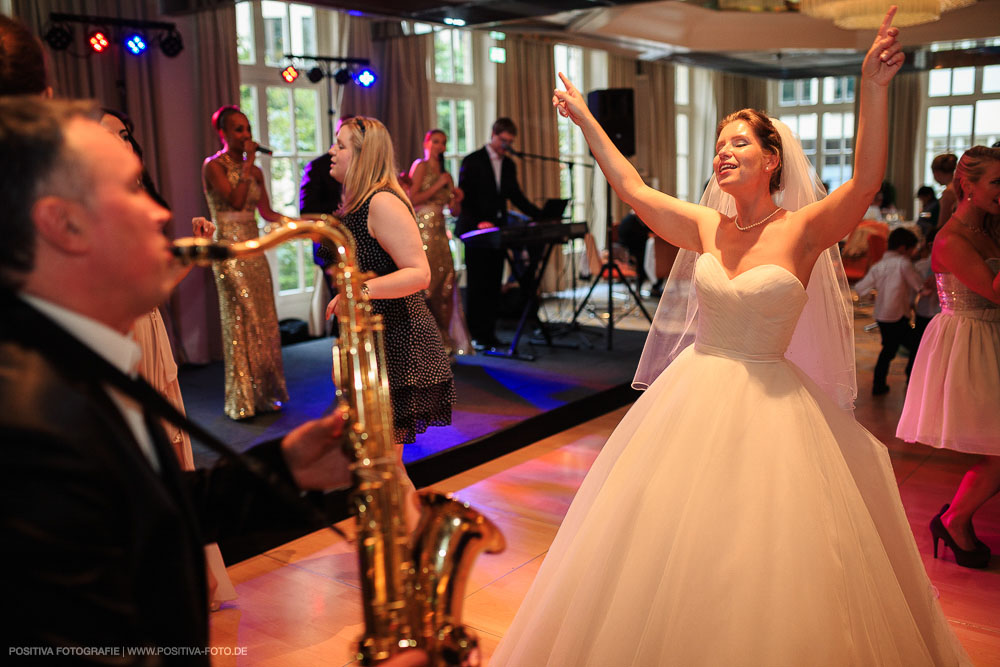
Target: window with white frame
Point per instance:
(455, 97)
(285, 117)
(573, 183)
(682, 127)
(963, 109)
(820, 111)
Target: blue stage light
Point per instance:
(135, 44)
(365, 78)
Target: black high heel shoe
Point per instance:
(978, 542)
(977, 558)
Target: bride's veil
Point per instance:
(823, 342)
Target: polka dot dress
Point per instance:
(421, 385)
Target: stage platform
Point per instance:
(503, 403)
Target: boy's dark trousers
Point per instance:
(894, 334)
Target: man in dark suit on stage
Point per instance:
(102, 531)
(489, 179)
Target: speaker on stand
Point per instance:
(614, 109)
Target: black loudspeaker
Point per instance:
(614, 109)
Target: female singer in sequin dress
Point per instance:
(953, 394)
(432, 189)
(234, 188)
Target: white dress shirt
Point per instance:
(497, 161)
(120, 351)
(896, 280)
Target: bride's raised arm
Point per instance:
(833, 218)
(676, 221)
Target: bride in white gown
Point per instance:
(739, 515)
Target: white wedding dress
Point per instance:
(737, 516)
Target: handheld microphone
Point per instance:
(265, 150)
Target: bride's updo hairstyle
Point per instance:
(766, 134)
(971, 167)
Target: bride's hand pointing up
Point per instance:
(570, 103)
(885, 56)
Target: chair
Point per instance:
(865, 246)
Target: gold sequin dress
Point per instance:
(443, 296)
(255, 377)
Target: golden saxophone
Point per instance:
(412, 586)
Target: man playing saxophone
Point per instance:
(102, 531)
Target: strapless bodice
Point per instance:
(750, 317)
(957, 299)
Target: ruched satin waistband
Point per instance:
(985, 314)
(737, 355)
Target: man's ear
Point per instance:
(61, 223)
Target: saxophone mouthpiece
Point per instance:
(200, 251)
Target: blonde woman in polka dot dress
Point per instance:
(376, 211)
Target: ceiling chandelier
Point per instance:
(858, 14)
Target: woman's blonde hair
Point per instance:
(971, 167)
(373, 166)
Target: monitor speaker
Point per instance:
(614, 109)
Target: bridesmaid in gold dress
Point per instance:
(430, 190)
(234, 188)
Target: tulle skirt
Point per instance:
(736, 516)
(953, 399)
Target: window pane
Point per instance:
(244, 34)
(275, 29)
(681, 94)
(991, 79)
(303, 32)
(288, 266)
(848, 88)
(963, 81)
(306, 125)
(248, 103)
(787, 92)
(961, 120)
(284, 186)
(279, 131)
(940, 83)
(937, 122)
(682, 134)
(443, 68)
(463, 126)
(987, 122)
(810, 91)
(462, 57)
(683, 189)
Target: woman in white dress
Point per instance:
(739, 515)
(951, 400)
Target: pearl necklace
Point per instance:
(736, 221)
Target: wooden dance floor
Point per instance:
(299, 604)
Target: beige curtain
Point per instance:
(661, 114)
(524, 94)
(734, 92)
(905, 120)
(400, 97)
(404, 105)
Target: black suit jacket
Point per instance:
(99, 548)
(483, 201)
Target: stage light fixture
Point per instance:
(315, 74)
(171, 44)
(135, 44)
(58, 37)
(342, 76)
(365, 78)
(290, 74)
(98, 41)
